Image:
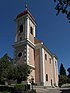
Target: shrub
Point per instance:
(19, 87)
(62, 80)
(6, 88)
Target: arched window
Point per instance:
(31, 30)
(20, 54)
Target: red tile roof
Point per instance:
(24, 13)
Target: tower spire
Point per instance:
(26, 5)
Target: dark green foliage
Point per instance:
(62, 80)
(6, 67)
(68, 72)
(63, 6)
(19, 87)
(62, 70)
(62, 77)
(68, 80)
(9, 71)
(21, 72)
(6, 88)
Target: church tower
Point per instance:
(24, 40)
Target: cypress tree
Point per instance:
(62, 70)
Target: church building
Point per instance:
(28, 49)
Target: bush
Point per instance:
(19, 87)
(62, 80)
(6, 88)
(68, 80)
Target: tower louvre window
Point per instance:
(21, 28)
(31, 30)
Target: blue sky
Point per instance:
(53, 30)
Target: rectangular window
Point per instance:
(55, 63)
(31, 30)
(21, 28)
(20, 38)
(34, 54)
(46, 77)
(45, 57)
(50, 60)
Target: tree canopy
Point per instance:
(68, 72)
(63, 6)
(21, 72)
(8, 70)
(5, 67)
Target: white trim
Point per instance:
(31, 66)
(42, 65)
(27, 27)
(31, 42)
(34, 31)
(27, 54)
(55, 69)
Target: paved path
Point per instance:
(53, 90)
(65, 90)
(41, 90)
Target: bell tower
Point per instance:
(25, 26)
(24, 47)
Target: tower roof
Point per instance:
(24, 13)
